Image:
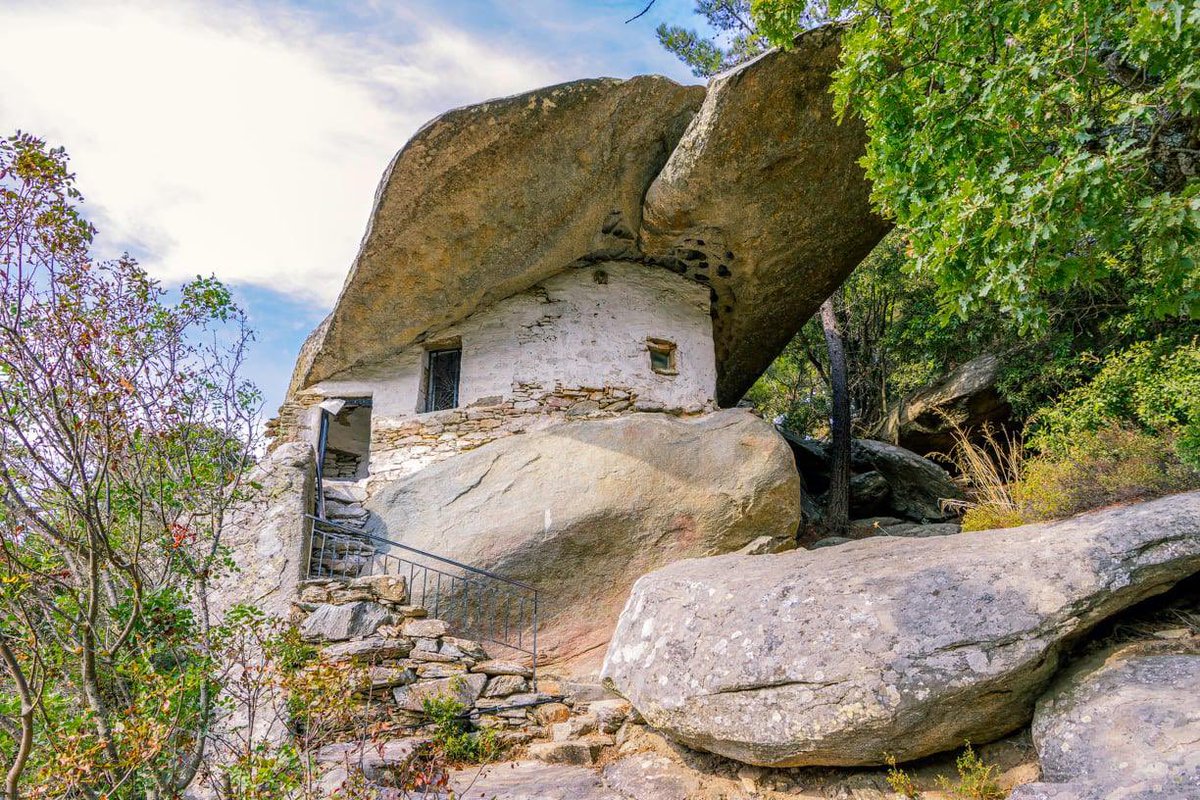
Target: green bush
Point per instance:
(976, 779)
(1114, 464)
(452, 733)
(1131, 433)
(1152, 387)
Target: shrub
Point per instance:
(988, 517)
(900, 781)
(452, 733)
(1131, 434)
(976, 779)
(1114, 464)
(1152, 387)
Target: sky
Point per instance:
(245, 138)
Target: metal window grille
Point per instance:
(441, 390)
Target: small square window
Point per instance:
(662, 356)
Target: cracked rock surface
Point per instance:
(838, 656)
(1122, 724)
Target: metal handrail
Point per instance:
(361, 534)
(448, 596)
(358, 534)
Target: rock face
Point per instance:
(887, 480)
(917, 484)
(839, 655)
(267, 534)
(487, 200)
(967, 397)
(764, 200)
(1123, 724)
(582, 509)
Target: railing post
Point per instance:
(533, 677)
(322, 442)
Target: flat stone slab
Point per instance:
(532, 780)
(651, 775)
(337, 623)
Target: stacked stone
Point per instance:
(406, 658)
(346, 551)
(397, 658)
(286, 426)
(580, 731)
(339, 464)
(412, 444)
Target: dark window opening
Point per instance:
(662, 356)
(441, 379)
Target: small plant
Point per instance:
(990, 464)
(976, 780)
(452, 733)
(900, 781)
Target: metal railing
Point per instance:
(473, 602)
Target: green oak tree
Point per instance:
(1029, 147)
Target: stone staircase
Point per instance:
(398, 658)
(340, 553)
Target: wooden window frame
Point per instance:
(661, 348)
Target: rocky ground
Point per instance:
(1093, 723)
(1120, 721)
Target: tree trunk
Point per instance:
(12, 779)
(837, 507)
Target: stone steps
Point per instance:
(339, 552)
(400, 658)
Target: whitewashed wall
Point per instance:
(569, 330)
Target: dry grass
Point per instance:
(989, 465)
(1006, 487)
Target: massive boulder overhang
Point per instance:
(764, 200)
(751, 187)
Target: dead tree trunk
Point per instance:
(837, 510)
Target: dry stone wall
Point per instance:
(400, 657)
(397, 658)
(403, 447)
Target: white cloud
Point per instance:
(231, 139)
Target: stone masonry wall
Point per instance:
(291, 424)
(406, 446)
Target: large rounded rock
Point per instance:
(488, 200)
(965, 400)
(917, 485)
(888, 480)
(841, 655)
(582, 509)
(764, 200)
(1122, 724)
